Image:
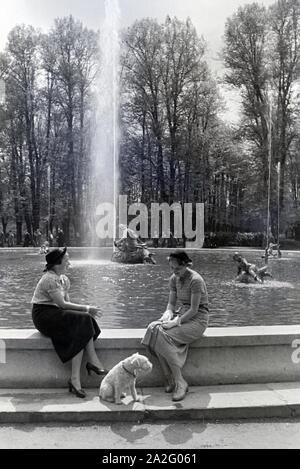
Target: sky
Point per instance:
(208, 16)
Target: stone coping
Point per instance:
(202, 403)
(30, 339)
(91, 248)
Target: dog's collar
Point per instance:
(129, 372)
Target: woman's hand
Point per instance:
(95, 312)
(170, 324)
(167, 316)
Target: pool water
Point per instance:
(131, 296)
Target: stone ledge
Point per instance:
(223, 356)
(205, 403)
(30, 339)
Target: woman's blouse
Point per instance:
(49, 283)
(184, 287)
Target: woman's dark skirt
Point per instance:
(69, 330)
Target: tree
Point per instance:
(142, 74)
(285, 55)
(71, 66)
(246, 62)
(182, 66)
(21, 116)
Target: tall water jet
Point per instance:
(105, 144)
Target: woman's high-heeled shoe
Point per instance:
(95, 369)
(78, 392)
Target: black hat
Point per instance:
(181, 256)
(53, 256)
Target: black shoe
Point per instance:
(95, 369)
(78, 392)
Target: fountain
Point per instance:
(132, 297)
(105, 144)
(131, 294)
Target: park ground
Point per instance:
(241, 434)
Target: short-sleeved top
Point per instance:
(50, 282)
(184, 287)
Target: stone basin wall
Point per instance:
(223, 356)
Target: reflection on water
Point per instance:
(132, 296)
(83, 262)
(268, 284)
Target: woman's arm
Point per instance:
(62, 303)
(169, 313)
(188, 315)
(195, 302)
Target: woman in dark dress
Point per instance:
(71, 327)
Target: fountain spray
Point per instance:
(105, 145)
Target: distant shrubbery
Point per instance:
(233, 239)
(250, 239)
(214, 240)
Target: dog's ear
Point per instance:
(134, 357)
(135, 360)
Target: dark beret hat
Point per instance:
(53, 256)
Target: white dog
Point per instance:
(123, 376)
